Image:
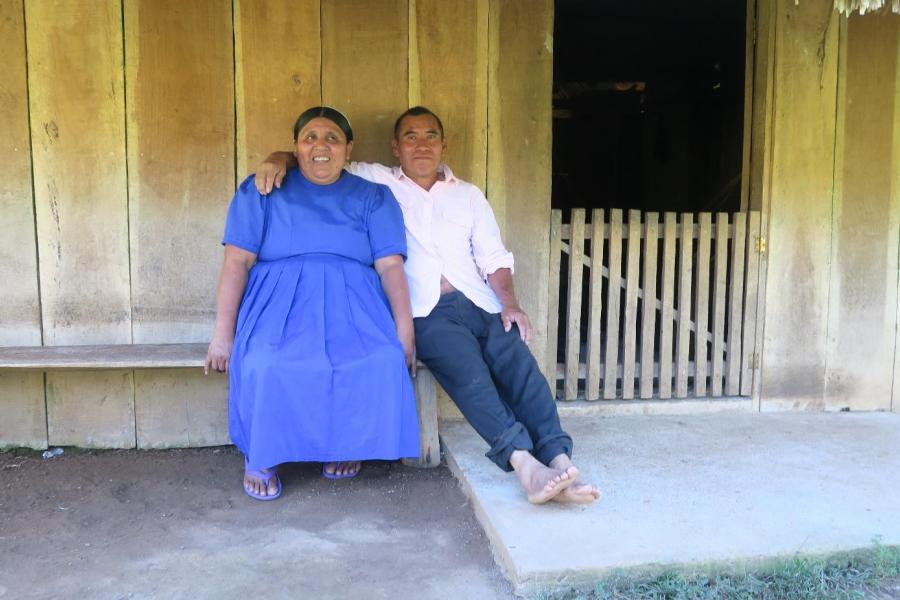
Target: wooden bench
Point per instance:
(170, 356)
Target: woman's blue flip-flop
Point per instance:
(328, 475)
(266, 478)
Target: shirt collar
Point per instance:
(449, 177)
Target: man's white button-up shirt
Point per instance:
(450, 231)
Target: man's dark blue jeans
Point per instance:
(493, 378)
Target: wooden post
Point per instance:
(553, 298)
(592, 364)
(426, 404)
(614, 291)
(573, 306)
(668, 301)
(719, 306)
(632, 272)
(648, 317)
(736, 298)
(701, 305)
(683, 331)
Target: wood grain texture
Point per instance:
(77, 117)
(182, 409)
(593, 374)
(749, 351)
(278, 61)
(364, 69)
(701, 304)
(180, 82)
(550, 353)
(449, 74)
(91, 409)
(632, 274)
(648, 316)
(613, 304)
(736, 305)
(719, 304)
(667, 312)
(125, 356)
(862, 315)
(801, 189)
(683, 325)
(520, 83)
(20, 312)
(23, 412)
(573, 303)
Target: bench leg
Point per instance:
(426, 401)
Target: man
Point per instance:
(470, 330)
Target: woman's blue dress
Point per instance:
(317, 372)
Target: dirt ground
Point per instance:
(176, 524)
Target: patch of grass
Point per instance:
(838, 577)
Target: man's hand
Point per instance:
(514, 314)
(271, 172)
(218, 355)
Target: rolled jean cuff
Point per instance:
(514, 438)
(551, 446)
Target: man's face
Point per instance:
(419, 146)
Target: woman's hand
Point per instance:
(408, 339)
(271, 172)
(218, 355)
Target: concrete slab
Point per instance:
(699, 489)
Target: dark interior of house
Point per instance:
(648, 104)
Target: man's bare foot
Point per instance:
(257, 486)
(341, 470)
(578, 492)
(541, 483)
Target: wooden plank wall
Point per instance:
(801, 185)
(142, 116)
(23, 420)
(862, 309)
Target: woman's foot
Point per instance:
(341, 470)
(261, 484)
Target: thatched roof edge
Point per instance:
(848, 7)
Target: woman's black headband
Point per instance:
(333, 115)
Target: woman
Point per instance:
(312, 276)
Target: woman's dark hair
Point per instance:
(332, 114)
(416, 111)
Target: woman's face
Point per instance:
(322, 151)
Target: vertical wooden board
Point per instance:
(20, 312)
(180, 82)
(364, 69)
(90, 409)
(520, 83)
(181, 408)
(720, 277)
(448, 74)
(278, 61)
(749, 352)
(667, 312)
(801, 188)
(701, 304)
(862, 315)
(632, 270)
(553, 298)
(77, 116)
(595, 309)
(648, 316)
(613, 294)
(23, 413)
(895, 196)
(736, 305)
(573, 304)
(683, 326)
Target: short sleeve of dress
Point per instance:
(244, 224)
(387, 234)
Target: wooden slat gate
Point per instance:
(650, 309)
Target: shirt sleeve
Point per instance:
(387, 234)
(244, 224)
(487, 247)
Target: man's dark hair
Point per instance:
(416, 111)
